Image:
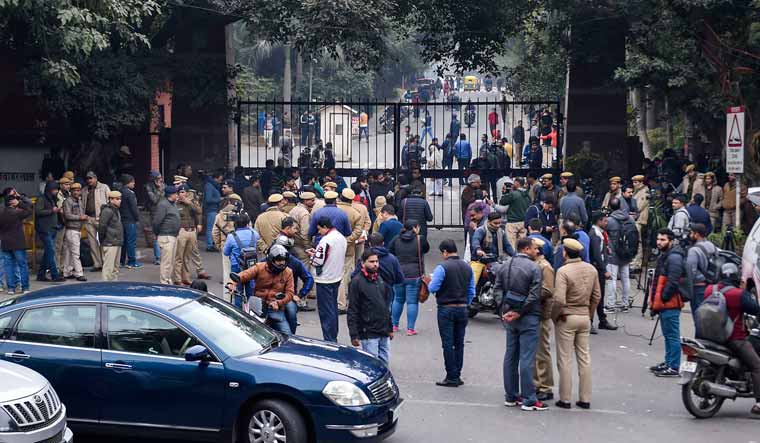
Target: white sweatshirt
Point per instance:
(329, 257)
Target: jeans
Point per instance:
(363, 130)
(379, 347)
(408, 293)
(304, 135)
(210, 217)
(696, 299)
(611, 290)
(327, 305)
(276, 320)
(128, 252)
(16, 269)
(156, 250)
(452, 323)
(48, 258)
(520, 359)
(671, 331)
(462, 163)
(291, 315)
(425, 131)
(247, 289)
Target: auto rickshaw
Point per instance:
(471, 83)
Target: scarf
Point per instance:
(371, 276)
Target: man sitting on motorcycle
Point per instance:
(489, 239)
(740, 302)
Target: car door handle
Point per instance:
(122, 366)
(17, 355)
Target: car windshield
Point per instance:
(234, 333)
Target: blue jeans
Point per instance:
(697, 297)
(406, 292)
(425, 131)
(671, 331)
(327, 305)
(379, 347)
(128, 252)
(156, 251)
(452, 323)
(245, 288)
(291, 315)
(363, 130)
(276, 320)
(210, 217)
(16, 269)
(48, 258)
(462, 164)
(520, 359)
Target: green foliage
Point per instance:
(587, 164)
(740, 238)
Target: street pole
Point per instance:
(738, 199)
(311, 70)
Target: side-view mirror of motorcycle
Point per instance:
(279, 296)
(235, 277)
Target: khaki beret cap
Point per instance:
(114, 194)
(331, 195)
(348, 193)
(546, 176)
(330, 185)
(615, 179)
(566, 174)
(64, 180)
(690, 168)
(540, 243)
(572, 244)
(275, 198)
(638, 178)
(76, 185)
(308, 195)
(289, 194)
(69, 175)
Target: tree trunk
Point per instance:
(299, 72)
(639, 107)
(651, 105)
(668, 125)
(287, 84)
(689, 137)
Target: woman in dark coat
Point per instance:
(410, 248)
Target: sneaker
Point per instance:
(395, 328)
(411, 332)
(513, 403)
(593, 330)
(81, 278)
(136, 265)
(545, 396)
(157, 262)
(658, 367)
(609, 310)
(625, 309)
(537, 406)
(667, 372)
(755, 411)
(607, 326)
(26, 291)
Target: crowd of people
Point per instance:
(291, 235)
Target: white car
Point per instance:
(30, 410)
(751, 255)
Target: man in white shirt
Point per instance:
(328, 259)
(679, 222)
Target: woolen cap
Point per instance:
(566, 174)
(615, 179)
(473, 178)
(114, 194)
(275, 198)
(91, 174)
(547, 177)
(308, 195)
(169, 190)
(75, 185)
(331, 195)
(348, 194)
(572, 244)
(638, 178)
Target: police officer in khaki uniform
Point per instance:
(641, 196)
(189, 225)
(269, 223)
(195, 257)
(291, 200)
(357, 224)
(615, 191)
(63, 193)
(563, 179)
(577, 290)
(543, 373)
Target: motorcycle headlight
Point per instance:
(343, 393)
(7, 424)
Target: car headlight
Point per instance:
(343, 393)
(7, 424)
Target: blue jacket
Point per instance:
(390, 229)
(336, 215)
(300, 272)
(463, 149)
(211, 195)
(573, 204)
(248, 238)
(699, 214)
(547, 218)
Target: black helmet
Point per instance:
(284, 240)
(729, 273)
(277, 252)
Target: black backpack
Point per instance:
(247, 255)
(628, 242)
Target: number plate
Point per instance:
(395, 412)
(688, 366)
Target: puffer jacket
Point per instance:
(110, 229)
(417, 209)
(166, 218)
(268, 284)
(46, 220)
(404, 247)
(72, 213)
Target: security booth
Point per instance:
(337, 128)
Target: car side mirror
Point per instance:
(197, 353)
(279, 296)
(235, 277)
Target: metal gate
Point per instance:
(366, 140)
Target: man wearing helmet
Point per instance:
(273, 277)
(300, 272)
(740, 302)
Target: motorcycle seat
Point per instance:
(715, 346)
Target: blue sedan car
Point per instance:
(164, 361)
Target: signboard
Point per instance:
(735, 140)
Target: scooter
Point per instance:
(485, 296)
(712, 374)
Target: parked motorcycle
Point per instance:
(712, 374)
(485, 297)
(469, 117)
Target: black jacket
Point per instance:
(252, 200)
(368, 315)
(404, 247)
(416, 208)
(46, 220)
(598, 253)
(110, 229)
(12, 226)
(128, 209)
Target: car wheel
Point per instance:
(273, 421)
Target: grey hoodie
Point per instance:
(698, 258)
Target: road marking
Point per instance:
(497, 406)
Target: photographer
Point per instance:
(13, 241)
(679, 222)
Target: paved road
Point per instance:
(628, 404)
